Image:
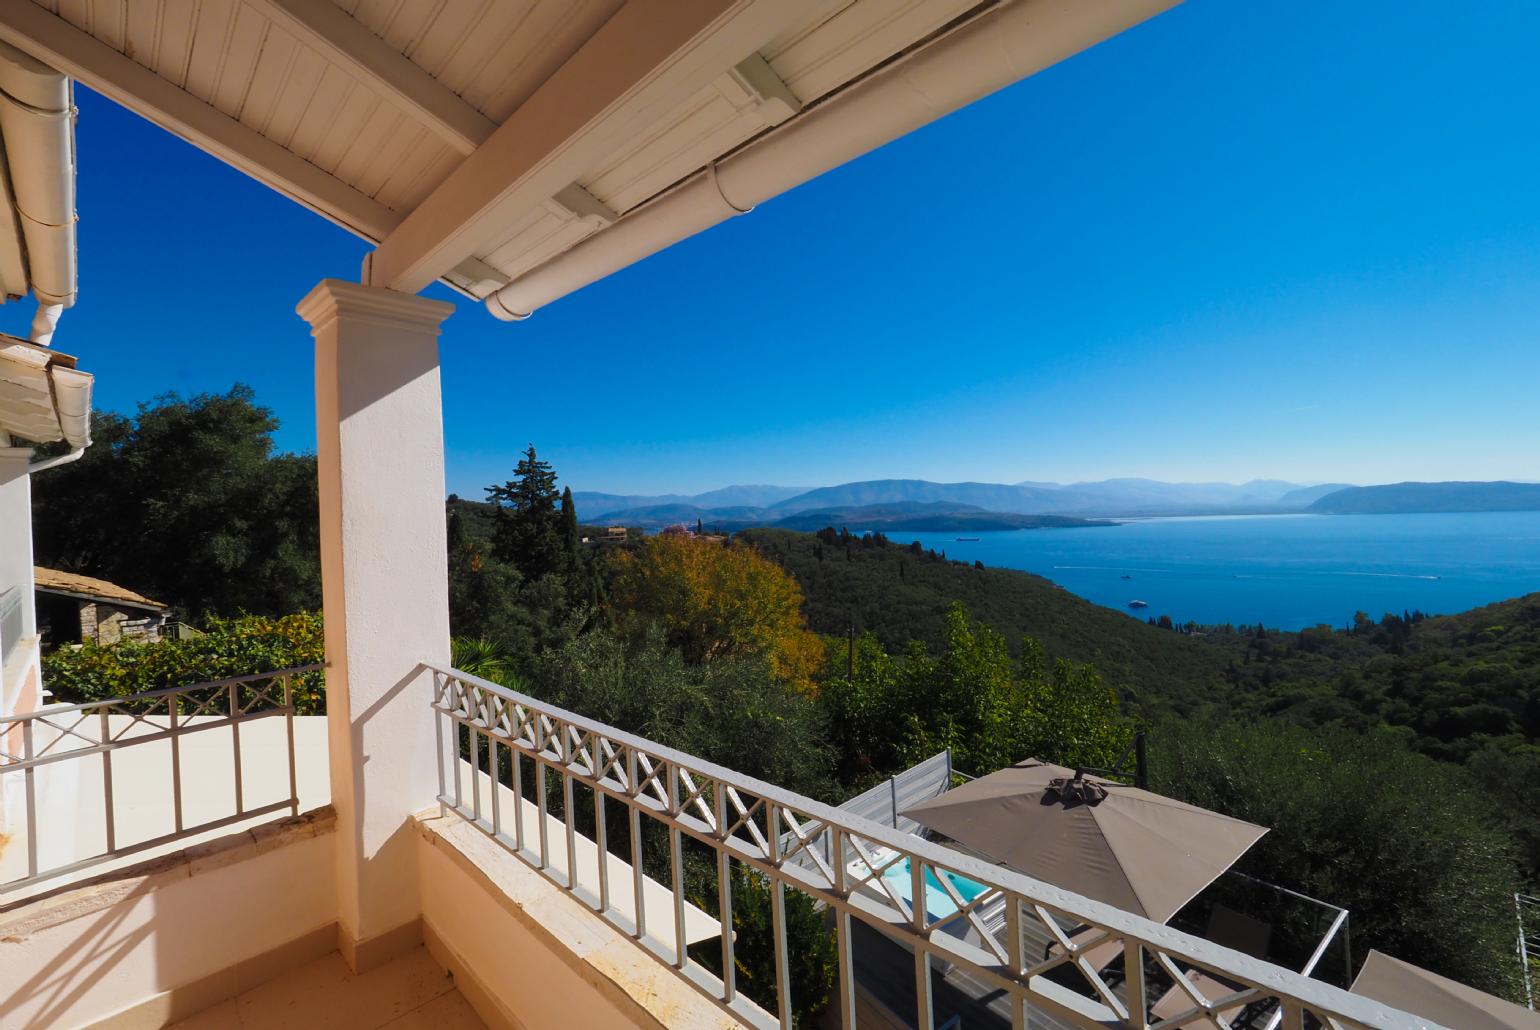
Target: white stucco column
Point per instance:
(380, 455)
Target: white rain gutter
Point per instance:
(44, 397)
(996, 48)
(56, 460)
(72, 404)
(36, 116)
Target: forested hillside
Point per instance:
(901, 594)
(1456, 683)
(1463, 688)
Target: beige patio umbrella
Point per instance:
(1128, 847)
(1446, 1002)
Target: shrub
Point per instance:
(732, 711)
(971, 696)
(231, 647)
(1406, 843)
(812, 953)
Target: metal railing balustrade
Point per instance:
(487, 734)
(34, 743)
(1527, 908)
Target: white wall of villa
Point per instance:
(16, 568)
(20, 672)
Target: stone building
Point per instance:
(73, 608)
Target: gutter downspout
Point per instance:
(36, 115)
(999, 47)
(44, 323)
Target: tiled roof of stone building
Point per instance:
(74, 585)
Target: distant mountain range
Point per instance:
(592, 505)
(919, 505)
(770, 505)
(1406, 498)
(920, 517)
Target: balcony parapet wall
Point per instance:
(526, 953)
(158, 941)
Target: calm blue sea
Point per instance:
(1286, 571)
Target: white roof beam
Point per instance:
(754, 84)
(575, 202)
(337, 36)
(56, 42)
(647, 59)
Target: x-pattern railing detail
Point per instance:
(784, 839)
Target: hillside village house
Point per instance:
(516, 150)
(81, 609)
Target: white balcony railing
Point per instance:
(488, 734)
(37, 746)
(1528, 911)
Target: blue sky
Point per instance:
(1261, 239)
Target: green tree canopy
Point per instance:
(992, 710)
(529, 534)
(732, 710)
(717, 601)
(187, 502)
(490, 599)
(569, 523)
(1408, 844)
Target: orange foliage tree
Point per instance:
(718, 600)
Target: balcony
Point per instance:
(522, 924)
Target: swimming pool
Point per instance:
(938, 904)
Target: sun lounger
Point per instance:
(1231, 929)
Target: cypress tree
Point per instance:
(569, 523)
(529, 534)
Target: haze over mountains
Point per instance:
(765, 505)
(918, 504)
(1396, 498)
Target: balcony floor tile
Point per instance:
(406, 993)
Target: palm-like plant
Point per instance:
(487, 659)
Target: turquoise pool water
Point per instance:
(937, 903)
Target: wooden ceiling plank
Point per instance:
(54, 41)
(329, 30)
(644, 61)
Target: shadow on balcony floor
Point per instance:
(406, 993)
